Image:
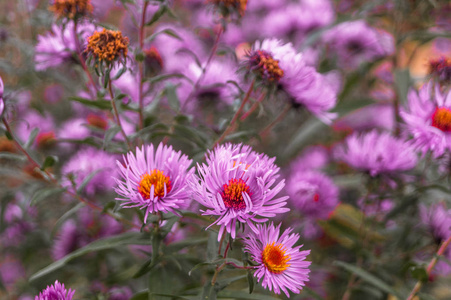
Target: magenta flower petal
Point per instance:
(154, 180)
(239, 185)
(281, 267)
(56, 291)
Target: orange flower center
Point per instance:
(442, 119)
(158, 181)
(107, 45)
(275, 258)
(71, 8)
(232, 193)
(264, 65)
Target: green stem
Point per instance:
(116, 114)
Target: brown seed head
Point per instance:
(107, 45)
(71, 9)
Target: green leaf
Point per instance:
(368, 277)
(31, 138)
(110, 134)
(157, 15)
(402, 84)
(87, 179)
(120, 73)
(209, 291)
(173, 99)
(45, 193)
(66, 216)
(159, 78)
(128, 238)
(9, 136)
(99, 103)
(143, 295)
(169, 32)
(12, 156)
(250, 280)
(419, 273)
(49, 162)
(244, 295)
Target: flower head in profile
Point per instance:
(428, 119)
(107, 46)
(238, 185)
(57, 291)
(154, 179)
(377, 153)
(71, 9)
(280, 265)
(279, 65)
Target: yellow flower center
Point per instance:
(265, 66)
(158, 180)
(275, 259)
(232, 193)
(442, 119)
(107, 45)
(71, 8)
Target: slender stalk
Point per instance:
(82, 61)
(204, 69)
(52, 180)
(235, 117)
(116, 114)
(220, 243)
(253, 107)
(430, 267)
(282, 115)
(140, 66)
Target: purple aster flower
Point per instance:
(120, 293)
(314, 194)
(2, 104)
(355, 42)
(377, 153)
(32, 120)
(277, 63)
(238, 184)
(87, 162)
(154, 180)
(281, 266)
(296, 20)
(53, 93)
(372, 116)
(428, 119)
(87, 227)
(57, 46)
(74, 129)
(312, 158)
(57, 291)
(438, 219)
(11, 270)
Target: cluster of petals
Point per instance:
(419, 118)
(302, 83)
(377, 153)
(252, 179)
(313, 193)
(173, 174)
(55, 291)
(280, 265)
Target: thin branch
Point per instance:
(116, 114)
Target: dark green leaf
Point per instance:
(110, 134)
(120, 73)
(12, 156)
(31, 138)
(49, 162)
(66, 215)
(45, 193)
(419, 273)
(244, 295)
(208, 292)
(99, 103)
(169, 32)
(250, 280)
(370, 278)
(173, 99)
(157, 15)
(129, 238)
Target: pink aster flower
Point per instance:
(57, 46)
(238, 184)
(377, 153)
(279, 64)
(281, 266)
(154, 180)
(428, 119)
(312, 193)
(438, 219)
(355, 42)
(90, 162)
(57, 291)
